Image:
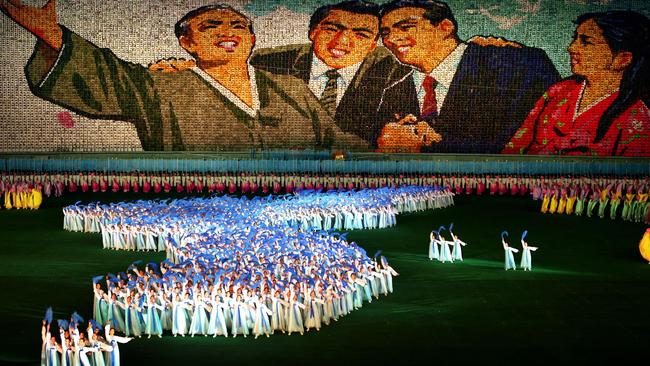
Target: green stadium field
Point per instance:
(587, 300)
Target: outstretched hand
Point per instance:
(39, 21)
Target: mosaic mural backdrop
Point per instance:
(517, 77)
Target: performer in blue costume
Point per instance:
(510, 259)
(434, 252)
(445, 252)
(457, 253)
(526, 258)
(113, 357)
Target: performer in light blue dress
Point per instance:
(295, 317)
(278, 309)
(113, 356)
(445, 252)
(526, 258)
(217, 324)
(509, 259)
(457, 253)
(115, 312)
(388, 272)
(100, 308)
(200, 322)
(434, 252)
(132, 321)
(262, 325)
(180, 317)
(153, 325)
(50, 349)
(239, 318)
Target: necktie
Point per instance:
(328, 98)
(430, 104)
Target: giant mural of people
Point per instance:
(396, 76)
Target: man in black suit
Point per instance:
(475, 97)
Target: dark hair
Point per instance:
(436, 11)
(182, 26)
(624, 31)
(356, 7)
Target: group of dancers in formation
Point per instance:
(240, 266)
(20, 195)
(439, 249)
(589, 198)
(256, 183)
(76, 347)
(131, 225)
(526, 257)
(439, 246)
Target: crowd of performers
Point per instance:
(239, 266)
(131, 225)
(624, 199)
(194, 182)
(97, 346)
(439, 246)
(20, 195)
(439, 249)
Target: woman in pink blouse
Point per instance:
(599, 111)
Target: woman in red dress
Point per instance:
(599, 111)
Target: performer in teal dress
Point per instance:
(526, 258)
(457, 253)
(434, 252)
(445, 253)
(509, 259)
(153, 325)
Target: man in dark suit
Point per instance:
(475, 97)
(343, 54)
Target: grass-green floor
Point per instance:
(587, 300)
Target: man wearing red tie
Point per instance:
(475, 97)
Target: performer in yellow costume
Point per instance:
(642, 200)
(563, 200)
(571, 200)
(604, 200)
(8, 204)
(15, 198)
(554, 201)
(644, 245)
(628, 212)
(615, 200)
(36, 198)
(545, 201)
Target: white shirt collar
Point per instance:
(445, 71)
(319, 68)
(230, 95)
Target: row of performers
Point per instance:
(57, 184)
(588, 199)
(78, 348)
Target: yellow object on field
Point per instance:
(644, 245)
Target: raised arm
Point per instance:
(41, 22)
(74, 73)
